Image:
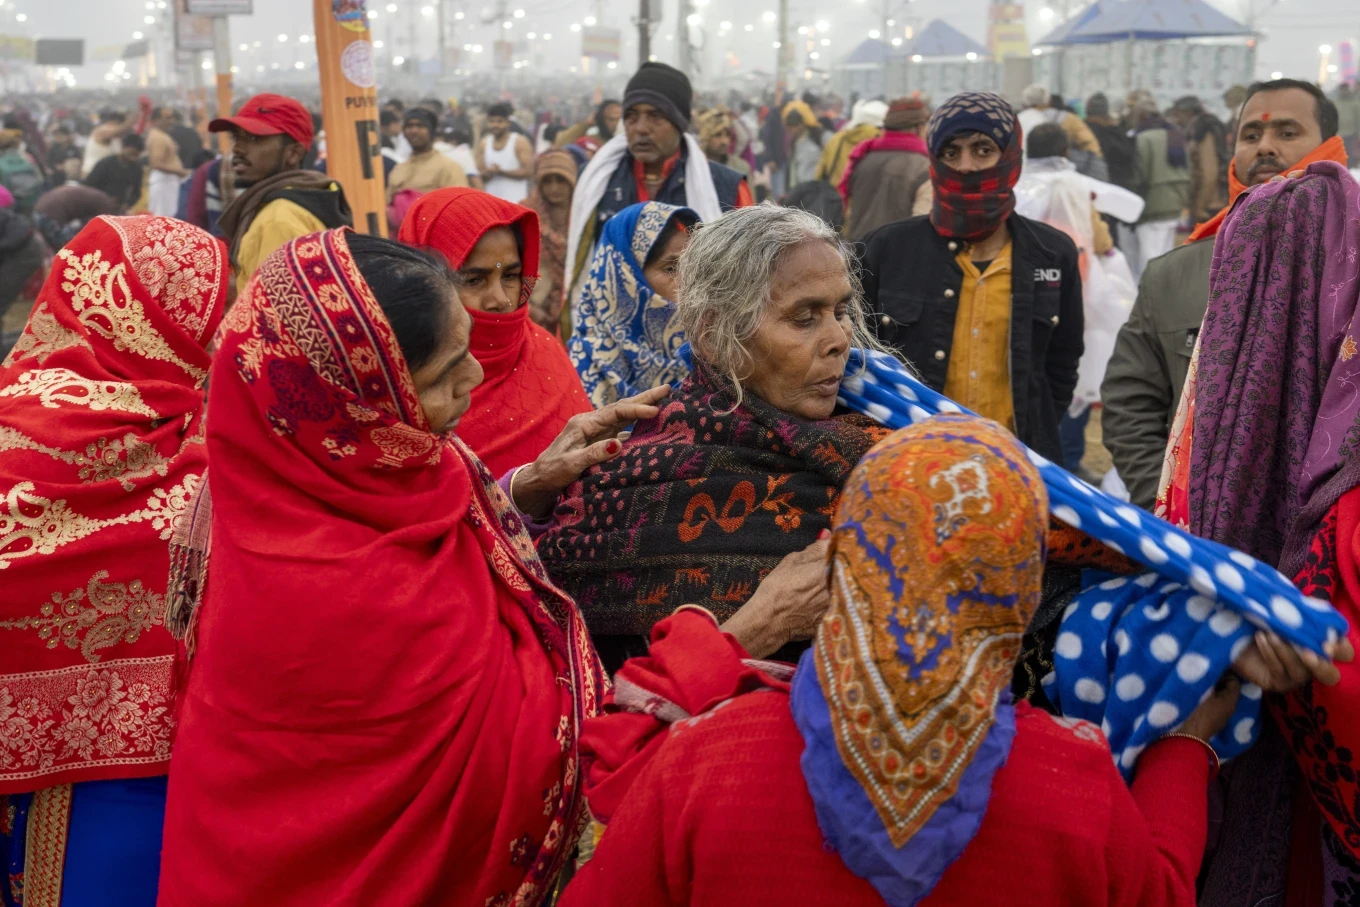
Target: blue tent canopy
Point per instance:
(940, 39)
(870, 51)
(1146, 20)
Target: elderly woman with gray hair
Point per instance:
(724, 500)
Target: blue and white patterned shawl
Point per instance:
(625, 339)
(1135, 655)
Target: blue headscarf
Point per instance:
(625, 339)
(1135, 655)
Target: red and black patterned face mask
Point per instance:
(972, 206)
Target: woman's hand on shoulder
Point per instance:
(788, 603)
(587, 440)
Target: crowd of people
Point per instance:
(686, 506)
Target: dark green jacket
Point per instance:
(1165, 189)
(1147, 371)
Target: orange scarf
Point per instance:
(1334, 149)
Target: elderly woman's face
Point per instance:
(444, 384)
(799, 351)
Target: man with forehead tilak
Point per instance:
(1283, 126)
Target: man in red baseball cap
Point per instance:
(271, 135)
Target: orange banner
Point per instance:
(349, 108)
(224, 110)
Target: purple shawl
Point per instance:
(1277, 391)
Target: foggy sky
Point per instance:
(1294, 28)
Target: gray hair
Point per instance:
(726, 273)
(1036, 95)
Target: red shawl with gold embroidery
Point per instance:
(101, 449)
(385, 701)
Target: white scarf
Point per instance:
(700, 194)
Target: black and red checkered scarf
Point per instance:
(972, 206)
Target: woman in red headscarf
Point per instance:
(386, 693)
(101, 451)
(531, 388)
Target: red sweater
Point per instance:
(721, 816)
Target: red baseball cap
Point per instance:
(270, 114)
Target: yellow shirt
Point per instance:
(979, 375)
(425, 172)
(277, 224)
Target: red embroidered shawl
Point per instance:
(385, 701)
(101, 449)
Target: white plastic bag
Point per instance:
(1107, 298)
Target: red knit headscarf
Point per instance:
(530, 389)
(453, 221)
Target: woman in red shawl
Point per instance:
(101, 449)
(531, 389)
(893, 766)
(386, 694)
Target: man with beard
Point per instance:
(278, 201)
(1284, 126)
(655, 159)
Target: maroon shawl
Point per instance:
(888, 141)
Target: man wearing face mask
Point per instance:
(278, 201)
(1283, 126)
(655, 159)
(984, 303)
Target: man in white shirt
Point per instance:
(504, 160)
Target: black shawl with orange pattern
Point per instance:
(700, 506)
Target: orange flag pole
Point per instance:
(349, 109)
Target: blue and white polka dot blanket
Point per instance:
(1134, 655)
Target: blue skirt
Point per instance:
(113, 845)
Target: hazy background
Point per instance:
(1292, 29)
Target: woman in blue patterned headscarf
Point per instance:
(626, 338)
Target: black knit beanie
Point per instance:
(426, 118)
(665, 88)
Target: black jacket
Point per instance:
(912, 282)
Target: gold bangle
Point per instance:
(513, 503)
(1204, 743)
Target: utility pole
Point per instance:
(784, 55)
(644, 25)
(222, 67)
(439, 24)
(686, 55)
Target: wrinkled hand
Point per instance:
(1278, 667)
(787, 604)
(1211, 715)
(586, 440)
